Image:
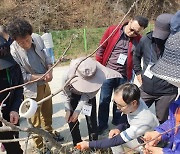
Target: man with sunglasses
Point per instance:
(140, 119)
(150, 49)
(116, 53)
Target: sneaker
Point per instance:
(57, 136)
(102, 129)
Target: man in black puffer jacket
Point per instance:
(151, 48)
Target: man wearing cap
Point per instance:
(29, 52)
(151, 48)
(116, 53)
(10, 75)
(79, 94)
(168, 68)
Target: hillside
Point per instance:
(68, 14)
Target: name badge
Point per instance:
(86, 110)
(122, 59)
(148, 72)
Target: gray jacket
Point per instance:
(20, 56)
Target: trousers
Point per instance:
(91, 121)
(105, 98)
(161, 104)
(43, 116)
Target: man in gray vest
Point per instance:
(29, 52)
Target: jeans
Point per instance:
(91, 121)
(105, 98)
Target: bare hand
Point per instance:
(74, 117)
(48, 77)
(114, 132)
(152, 150)
(139, 78)
(151, 135)
(14, 117)
(84, 145)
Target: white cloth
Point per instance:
(47, 38)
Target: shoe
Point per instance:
(57, 136)
(102, 129)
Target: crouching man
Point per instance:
(140, 119)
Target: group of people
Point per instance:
(26, 56)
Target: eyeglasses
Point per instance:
(118, 105)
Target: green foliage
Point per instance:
(62, 38)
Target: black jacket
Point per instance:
(147, 50)
(16, 95)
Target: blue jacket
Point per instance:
(171, 137)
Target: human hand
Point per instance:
(114, 132)
(48, 77)
(74, 117)
(139, 78)
(152, 150)
(14, 117)
(67, 116)
(83, 145)
(151, 135)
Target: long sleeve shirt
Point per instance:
(140, 121)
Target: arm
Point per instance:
(100, 51)
(17, 96)
(17, 79)
(106, 143)
(164, 127)
(137, 56)
(83, 100)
